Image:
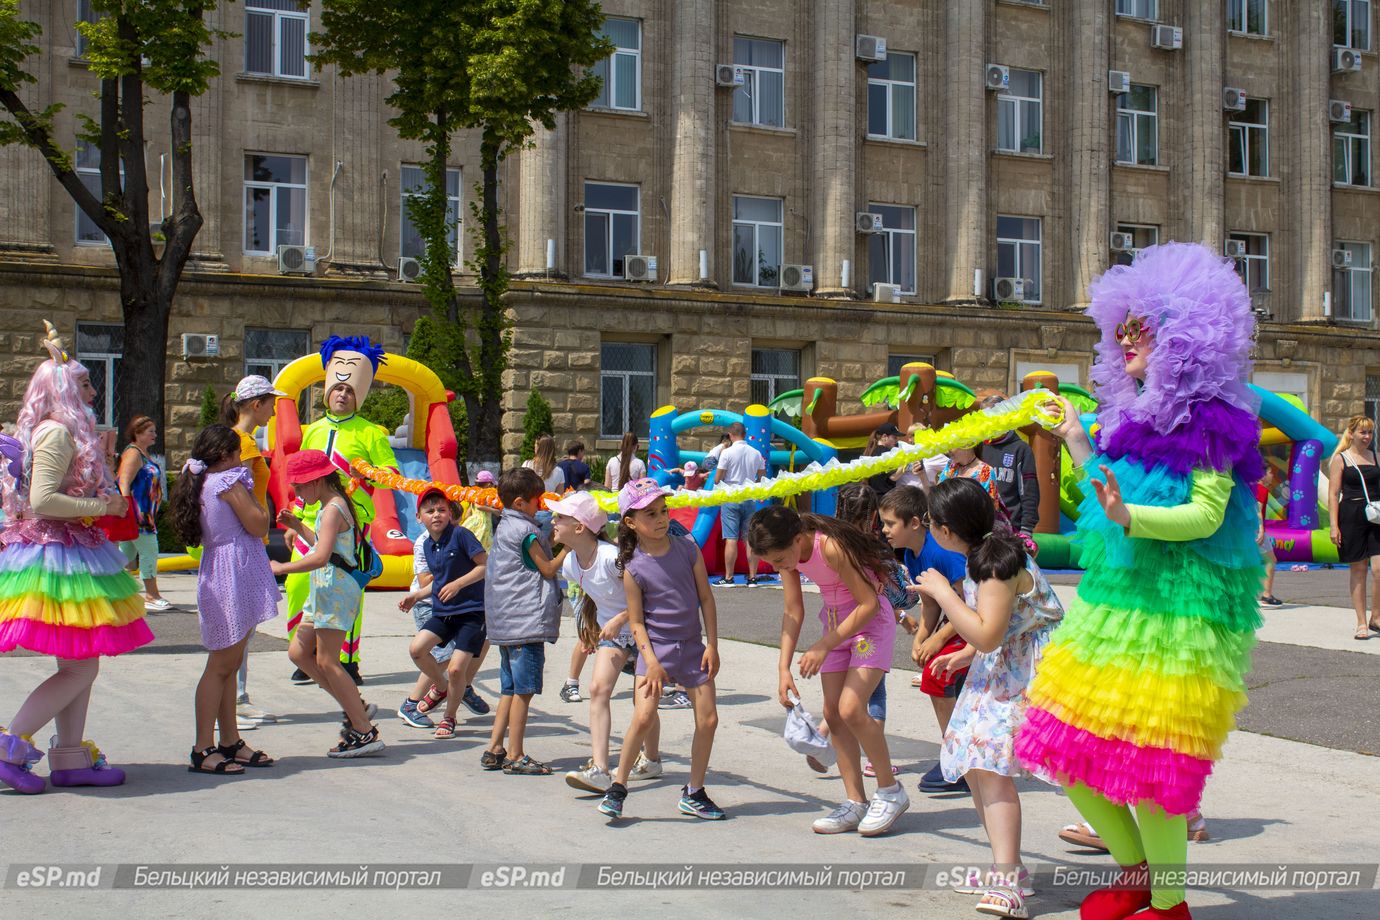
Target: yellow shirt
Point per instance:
(258, 466)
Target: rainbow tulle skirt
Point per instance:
(1141, 683)
(64, 591)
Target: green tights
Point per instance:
(1149, 836)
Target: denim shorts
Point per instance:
(622, 643)
(520, 668)
(420, 614)
(876, 703)
(734, 517)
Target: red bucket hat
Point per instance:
(309, 465)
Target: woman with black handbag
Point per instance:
(1353, 507)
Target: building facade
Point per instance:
(763, 192)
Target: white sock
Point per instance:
(691, 790)
(571, 683)
(889, 790)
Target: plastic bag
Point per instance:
(802, 734)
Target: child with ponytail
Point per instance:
(214, 508)
(1006, 615)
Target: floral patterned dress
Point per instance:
(992, 704)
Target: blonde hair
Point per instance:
(544, 455)
(1353, 425)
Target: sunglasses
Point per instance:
(1134, 330)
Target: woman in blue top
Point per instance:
(141, 478)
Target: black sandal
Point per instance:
(259, 759)
(223, 768)
(490, 760)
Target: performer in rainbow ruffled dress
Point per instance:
(1140, 685)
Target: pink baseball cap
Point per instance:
(484, 478)
(639, 494)
(582, 507)
(691, 466)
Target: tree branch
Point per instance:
(41, 139)
(186, 216)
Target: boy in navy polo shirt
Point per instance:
(905, 519)
(456, 560)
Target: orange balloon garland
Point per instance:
(470, 495)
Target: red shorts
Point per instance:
(935, 685)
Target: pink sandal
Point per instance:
(445, 729)
(434, 697)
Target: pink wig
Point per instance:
(54, 393)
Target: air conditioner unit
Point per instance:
(409, 269)
(297, 260)
(728, 75)
(868, 222)
(1233, 99)
(1345, 59)
(1338, 111)
(200, 345)
(1123, 242)
(886, 293)
(1118, 81)
(1006, 289)
(1341, 258)
(871, 48)
(1235, 249)
(639, 268)
(998, 77)
(798, 278)
(1166, 38)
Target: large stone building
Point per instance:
(1009, 152)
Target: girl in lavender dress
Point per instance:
(214, 507)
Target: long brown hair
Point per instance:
(213, 444)
(774, 527)
(544, 455)
(626, 449)
(588, 619)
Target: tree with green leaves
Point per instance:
(536, 421)
(135, 47)
(499, 67)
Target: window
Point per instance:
(627, 381)
(1351, 24)
(268, 351)
(100, 346)
(891, 97)
(1137, 126)
(1250, 140)
(1254, 266)
(1351, 151)
(894, 363)
(756, 241)
(1140, 9)
(275, 38)
(275, 202)
(1249, 16)
(1372, 397)
(85, 13)
(622, 70)
(411, 244)
(88, 164)
(1143, 235)
(1067, 373)
(774, 371)
(891, 253)
(612, 227)
(1352, 285)
(761, 100)
(1020, 113)
(1018, 252)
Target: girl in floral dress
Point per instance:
(1006, 615)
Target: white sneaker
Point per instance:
(589, 779)
(645, 769)
(841, 820)
(157, 603)
(885, 808)
(253, 714)
(245, 725)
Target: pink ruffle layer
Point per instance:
(67, 642)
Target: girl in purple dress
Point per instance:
(214, 507)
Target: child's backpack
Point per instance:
(366, 564)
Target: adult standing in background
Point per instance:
(1353, 481)
(574, 467)
(883, 439)
(1013, 467)
(739, 463)
(625, 467)
(140, 478)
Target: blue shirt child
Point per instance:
(950, 564)
(449, 557)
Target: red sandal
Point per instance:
(434, 697)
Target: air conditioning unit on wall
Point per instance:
(409, 270)
(998, 77)
(1341, 258)
(1233, 99)
(1166, 38)
(200, 345)
(798, 278)
(728, 75)
(871, 48)
(1123, 242)
(1345, 59)
(1118, 81)
(297, 260)
(886, 293)
(1338, 111)
(868, 222)
(1235, 249)
(639, 268)
(1008, 289)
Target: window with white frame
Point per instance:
(612, 227)
(891, 97)
(774, 371)
(1373, 398)
(621, 72)
(88, 163)
(1249, 137)
(1351, 24)
(1137, 126)
(1018, 253)
(1139, 9)
(268, 351)
(1020, 113)
(1142, 235)
(1352, 285)
(85, 13)
(1351, 150)
(1067, 373)
(891, 253)
(627, 388)
(761, 100)
(895, 362)
(100, 348)
(275, 202)
(1250, 17)
(757, 231)
(1254, 266)
(275, 39)
(411, 245)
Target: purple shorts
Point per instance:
(872, 647)
(681, 659)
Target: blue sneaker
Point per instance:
(409, 714)
(933, 782)
(699, 805)
(474, 702)
(612, 802)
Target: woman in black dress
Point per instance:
(1353, 475)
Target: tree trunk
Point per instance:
(486, 408)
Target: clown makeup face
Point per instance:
(1137, 340)
(349, 375)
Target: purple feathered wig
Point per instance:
(1195, 390)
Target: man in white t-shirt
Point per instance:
(739, 463)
